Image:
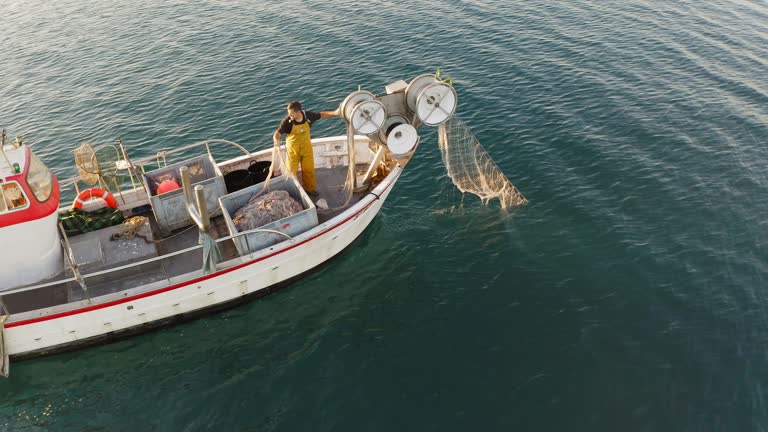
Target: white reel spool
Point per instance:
(402, 139)
(363, 112)
(433, 102)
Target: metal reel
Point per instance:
(390, 123)
(436, 103)
(367, 117)
(352, 100)
(402, 139)
(415, 88)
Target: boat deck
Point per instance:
(95, 252)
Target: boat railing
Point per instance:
(155, 273)
(134, 168)
(86, 286)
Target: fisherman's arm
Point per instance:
(326, 114)
(283, 128)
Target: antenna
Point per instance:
(2, 150)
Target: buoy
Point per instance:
(167, 186)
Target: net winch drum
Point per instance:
(353, 99)
(436, 104)
(398, 138)
(432, 101)
(414, 89)
(363, 112)
(367, 117)
(390, 123)
(402, 139)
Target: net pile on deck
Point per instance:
(471, 168)
(264, 209)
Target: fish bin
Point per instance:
(292, 225)
(168, 203)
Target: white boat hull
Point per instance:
(141, 308)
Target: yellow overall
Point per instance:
(299, 149)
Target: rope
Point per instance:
(131, 228)
(349, 184)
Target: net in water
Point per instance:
(471, 168)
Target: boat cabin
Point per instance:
(29, 199)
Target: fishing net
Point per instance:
(265, 209)
(471, 168)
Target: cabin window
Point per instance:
(12, 197)
(39, 178)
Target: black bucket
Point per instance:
(236, 180)
(259, 171)
(256, 173)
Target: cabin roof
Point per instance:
(15, 156)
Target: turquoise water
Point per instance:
(630, 294)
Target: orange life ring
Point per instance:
(94, 193)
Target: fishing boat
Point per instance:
(66, 283)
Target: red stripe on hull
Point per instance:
(183, 284)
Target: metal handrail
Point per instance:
(138, 263)
(148, 159)
(165, 256)
(360, 203)
(196, 205)
(36, 287)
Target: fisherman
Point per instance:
(297, 142)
